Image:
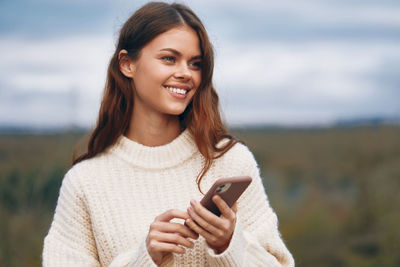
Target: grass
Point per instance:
(335, 191)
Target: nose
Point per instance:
(183, 72)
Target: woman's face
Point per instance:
(168, 72)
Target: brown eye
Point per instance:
(168, 59)
(196, 64)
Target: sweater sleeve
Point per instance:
(256, 240)
(70, 240)
(134, 257)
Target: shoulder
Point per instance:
(86, 166)
(238, 158)
(82, 171)
(239, 152)
(237, 161)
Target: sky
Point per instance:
(277, 62)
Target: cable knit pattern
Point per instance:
(107, 203)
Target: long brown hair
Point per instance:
(201, 117)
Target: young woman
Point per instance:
(158, 145)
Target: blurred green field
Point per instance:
(336, 192)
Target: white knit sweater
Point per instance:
(107, 203)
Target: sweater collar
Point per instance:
(157, 157)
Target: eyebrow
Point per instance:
(176, 52)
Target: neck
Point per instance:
(153, 129)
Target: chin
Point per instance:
(176, 110)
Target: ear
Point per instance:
(126, 65)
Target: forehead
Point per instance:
(182, 38)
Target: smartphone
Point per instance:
(229, 189)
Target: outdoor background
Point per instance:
(312, 87)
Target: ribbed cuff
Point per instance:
(234, 254)
(134, 257)
(143, 257)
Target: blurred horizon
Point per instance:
(355, 123)
(309, 63)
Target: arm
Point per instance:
(134, 257)
(70, 240)
(162, 239)
(256, 240)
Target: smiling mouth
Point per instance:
(177, 90)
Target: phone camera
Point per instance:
(222, 188)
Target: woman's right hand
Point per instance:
(165, 236)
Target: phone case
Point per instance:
(229, 189)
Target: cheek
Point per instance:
(197, 78)
(159, 71)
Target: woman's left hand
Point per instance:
(216, 230)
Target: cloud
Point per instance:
(45, 81)
(276, 61)
(304, 20)
(55, 65)
(257, 81)
(307, 81)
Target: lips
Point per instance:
(178, 86)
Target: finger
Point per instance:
(205, 213)
(171, 214)
(203, 223)
(191, 231)
(171, 238)
(235, 207)
(165, 247)
(195, 227)
(223, 207)
(173, 228)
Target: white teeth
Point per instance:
(177, 90)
